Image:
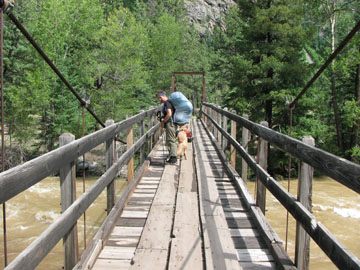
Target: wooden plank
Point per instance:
(186, 242)
(134, 214)
(131, 222)
(149, 259)
(118, 253)
(154, 242)
(257, 265)
(146, 186)
(126, 231)
(218, 245)
(145, 191)
(229, 214)
(106, 264)
(248, 242)
(232, 208)
(125, 241)
(137, 207)
(156, 233)
(244, 232)
(254, 255)
(240, 223)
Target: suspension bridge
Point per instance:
(197, 214)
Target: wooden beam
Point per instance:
(109, 160)
(68, 196)
(263, 162)
(142, 132)
(130, 165)
(224, 127)
(245, 142)
(302, 243)
(232, 148)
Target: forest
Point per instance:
(118, 54)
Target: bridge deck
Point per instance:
(180, 217)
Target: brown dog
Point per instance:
(182, 141)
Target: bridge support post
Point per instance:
(224, 142)
(142, 132)
(302, 245)
(130, 142)
(68, 196)
(232, 148)
(218, 132)
(263, 157)
(245, 142)
(109, 160)
(206, 110)
(151, 123)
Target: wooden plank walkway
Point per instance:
(188, 216)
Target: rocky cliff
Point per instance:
(205, 14)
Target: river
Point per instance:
(334, 205)
(31, 212)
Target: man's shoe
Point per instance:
(172, 161)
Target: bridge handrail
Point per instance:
(340, 169)
(37, 250)
(12, 181)
(334, 249)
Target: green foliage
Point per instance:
(124, 48)
(119, 53)
(263, 48)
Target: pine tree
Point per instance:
(267, 63)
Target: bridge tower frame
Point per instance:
(190, 73)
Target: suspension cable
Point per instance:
(2, 3)
(51, 64)
(320, 71)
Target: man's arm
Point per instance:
(166, 118)
(168, 115)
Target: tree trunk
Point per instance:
(355, 129)
(333, 90)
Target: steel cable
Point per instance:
(3, 122)
(320, 71)
(51, 64)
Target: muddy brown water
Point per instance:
(334, 205)
(31, 212)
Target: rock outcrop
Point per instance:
(205, 14)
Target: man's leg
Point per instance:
(171, 139)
